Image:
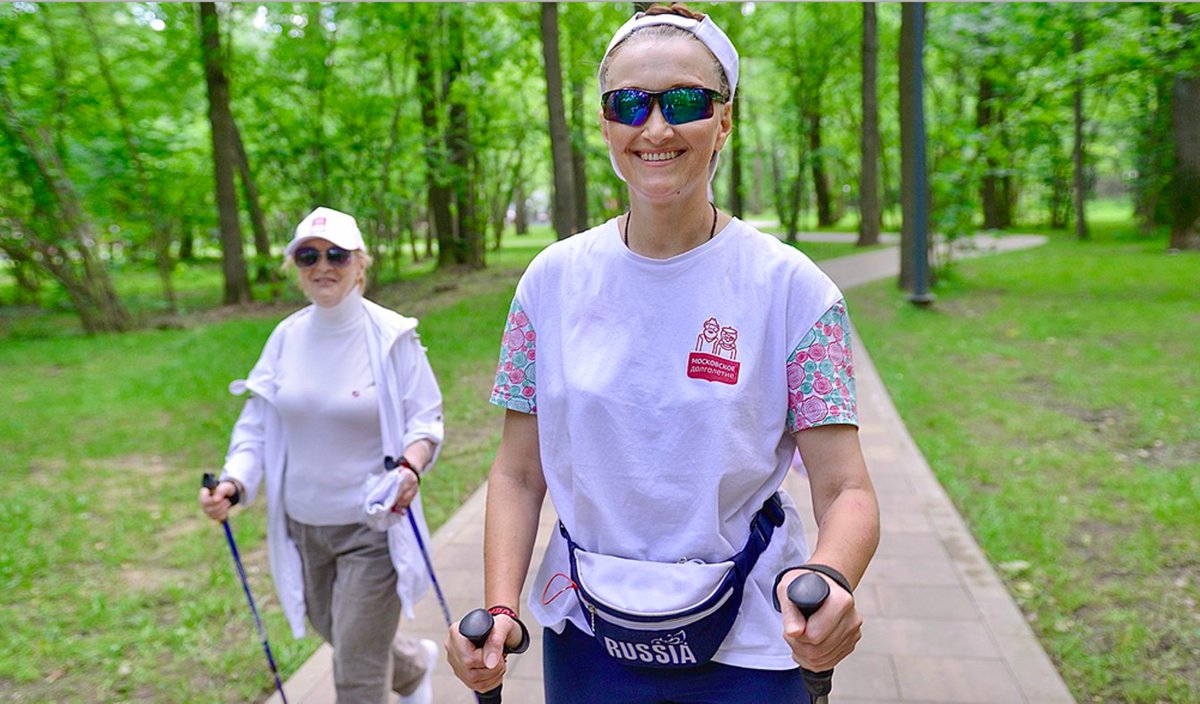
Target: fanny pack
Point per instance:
(666, 615)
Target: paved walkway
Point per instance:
(940, 626)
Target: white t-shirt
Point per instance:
(330, 408)
(666, 392)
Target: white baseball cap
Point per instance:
(328, 224)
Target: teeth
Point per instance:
(661, 156)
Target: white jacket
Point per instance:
(410, 409)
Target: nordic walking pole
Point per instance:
(476, 626)
(808, 592)
(389, 464)
(210, 482)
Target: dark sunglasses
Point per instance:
(309, 256)
(631, 106)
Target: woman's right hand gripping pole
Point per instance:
(516, 489)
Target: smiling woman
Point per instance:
(342, 390)
(658, 373)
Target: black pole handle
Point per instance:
(210, 482)
(476, 626)
(808, 592)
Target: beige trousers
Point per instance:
(350, 597)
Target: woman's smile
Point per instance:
(659, 156)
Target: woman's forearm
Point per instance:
(511, 528)
(844, 502)
(848, 533)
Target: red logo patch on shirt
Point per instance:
(716, 353)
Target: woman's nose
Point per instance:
(656, 125)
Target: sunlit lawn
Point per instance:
(1056, 393)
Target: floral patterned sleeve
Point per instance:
(516, 383)
(820, 374)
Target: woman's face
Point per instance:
(326, 284)
(661, 161)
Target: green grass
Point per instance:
(1056, 394)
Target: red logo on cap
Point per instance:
(317, 224)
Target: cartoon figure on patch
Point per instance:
(727, 343)
(708, 335)
(677, 638)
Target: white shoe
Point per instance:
(423, 694)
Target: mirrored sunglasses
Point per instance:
(631, 106)
(309, 256)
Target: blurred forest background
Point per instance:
(148, 137)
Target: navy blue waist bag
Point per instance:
(667, 615)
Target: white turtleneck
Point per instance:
(330, 410)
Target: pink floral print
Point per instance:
(515, 386)
(820, 374)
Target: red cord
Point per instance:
(570, 585)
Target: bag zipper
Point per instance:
(654, 625)
(606, 606)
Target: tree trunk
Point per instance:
(521, 215)
(1185, 134)
(1185, 178)
(579, 127)
(778, 189)
(560, 137)
(388, 227)
(817, 161)
(758, 166)
(1079, 177)
(220, 117)
(737, 191)
(984, 119)
(468, 241)
(258, 222)
(440, 222)
(187, 242)
(1153, 149)
(911, 180)
(868, 205)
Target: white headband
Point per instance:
(709, 34)
(705, 30)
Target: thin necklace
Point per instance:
(711, 230)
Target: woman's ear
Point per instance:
(726, 126)
(603, 126)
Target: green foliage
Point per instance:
(327, 100)
(1054, 392)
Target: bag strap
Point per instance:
(762, 527)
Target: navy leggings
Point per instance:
(578, 671)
